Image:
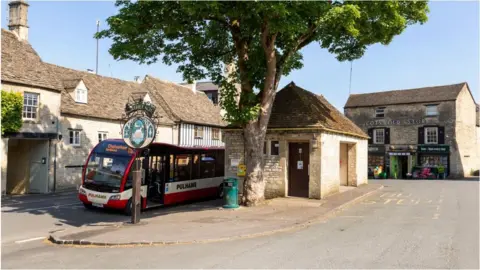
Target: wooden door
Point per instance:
(298, 165)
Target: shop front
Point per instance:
(400, 161)
(376, 161)
(433, 162)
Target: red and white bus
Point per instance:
(170, 174)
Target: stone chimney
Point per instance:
(18, 13)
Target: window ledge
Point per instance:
(30, 121)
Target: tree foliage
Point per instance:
(262, 39)
(12, 105)
(203, 37)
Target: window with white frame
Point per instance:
(380, 112)
(81, 95)
(30, 106)
(379, 136)
(431, 135)
(198, 133)
(215, 134)
(431, 110)
(102, 136)
(74, 137)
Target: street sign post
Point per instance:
(138, 132)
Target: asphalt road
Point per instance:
(408, 224)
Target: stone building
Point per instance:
(310, 148)
(67, 112)
(419, 128)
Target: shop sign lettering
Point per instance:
(434, 149)
(395, 122)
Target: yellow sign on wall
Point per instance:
(242, 169)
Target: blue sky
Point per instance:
(445, 50)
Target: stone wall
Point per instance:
(465, 127)
(458, 118)
(48, 109)
(324, 155)
(330, 157)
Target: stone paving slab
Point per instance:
(209, 222)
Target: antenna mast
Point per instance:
(96, 65)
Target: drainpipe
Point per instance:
(55, 162)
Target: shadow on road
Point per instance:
(68, 210)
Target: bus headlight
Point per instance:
(115, 197)
(82, 191)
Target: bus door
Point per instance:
(158, 171)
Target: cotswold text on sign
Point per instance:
(405, 122)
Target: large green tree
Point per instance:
(262, 40)
(12, 105)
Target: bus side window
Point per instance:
(196, 167)
(207, 166)
(220, 164)
(182, 166)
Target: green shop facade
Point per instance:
(409, 162)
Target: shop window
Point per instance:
(375, 165)
(431, 135)
(433, 161)
(198, 132)
(380, 112)
(74, 137)
(431, 110)
(379, 136)
(274, 148)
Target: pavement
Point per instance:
(414, 224)
(208, 222)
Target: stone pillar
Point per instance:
(352, 165)
(314, 184)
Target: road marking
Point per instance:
(387, 201)
(52, 206)
(418, 201)
(369, 202)
(399, 195)
(399, 201)
(436, 215)
(30, 239)
(440, 201)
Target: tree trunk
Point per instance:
(253, 186)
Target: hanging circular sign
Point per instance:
(138, 132)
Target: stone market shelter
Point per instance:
(310, 150)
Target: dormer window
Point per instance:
(81, 95)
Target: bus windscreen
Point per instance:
(107, 166)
